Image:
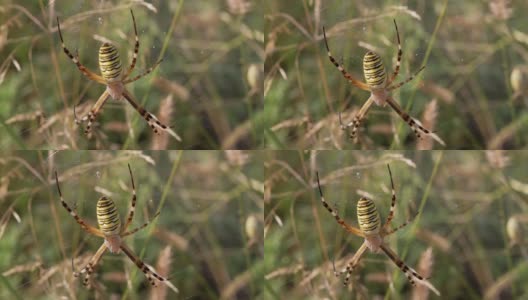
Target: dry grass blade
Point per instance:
(385, 159)
(236, 157)
(519, 186)
(31, 168)
(34, 115)
(163, 268)
(501, 9)
(27, 13)
(236, 135)
(5, 219)
(437, 240)
(497, 158)
(240, 281)
(429, 121)
(444, 94)
(4, 32)
(180, 91)
(181, 243)
(505, 281)
(88, 167)
(160, 141)
(4, 187)
(506, 133)
(64, 268)
(296, 122)
(239, 7)
(284, 271)
(346, 25)
(425, 266)
(29, 267)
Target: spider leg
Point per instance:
(358, 118)
(92, 114)
(398, 85)
(91, 75)
(153, 122)
(127, 233)
(340, 67)
(352, 264)
(413, 123)
(398, 228)
(393, 202)
(411, 274)
(347, 227)
(89, 268)
(136, 48)
(133, 204)
(88, 228)
(397, 69)
(143, 74)
(149, 273)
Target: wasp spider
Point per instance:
(371, 229)
(111, 230)
(115, 79)
(380, 87)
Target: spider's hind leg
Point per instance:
(415, 125)
(410, 273)
(151, 275)
(152, 121)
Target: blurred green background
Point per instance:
(207, 239)
(208, 87)
(473, 91)
(467, 237)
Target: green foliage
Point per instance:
(205, 199)
(206, 53)
(459, 203)
(468, 62)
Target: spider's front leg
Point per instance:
(334, 213)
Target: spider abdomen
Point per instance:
(107, 217)
(374, 70)
(368, 217)
(110, 62)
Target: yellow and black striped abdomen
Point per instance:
(110, 62)
(374, 70)
(107, 216)
(368, 217)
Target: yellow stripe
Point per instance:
(373, 69)
(107, 216)
(109, 62)
(368, 217)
